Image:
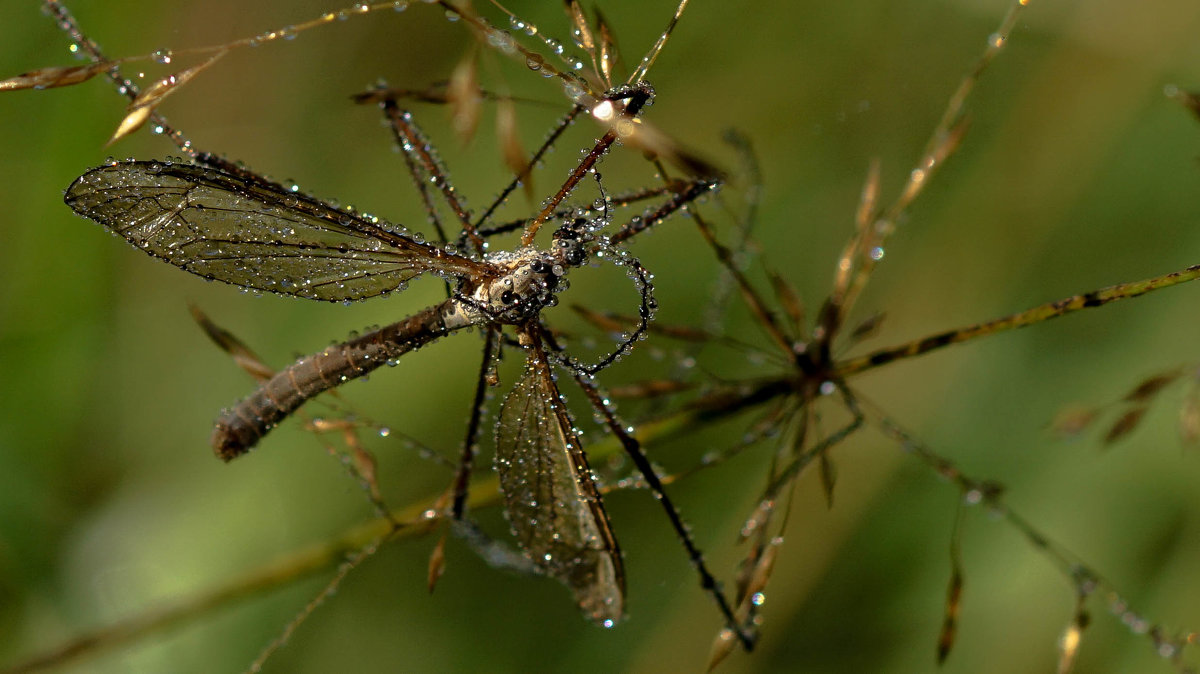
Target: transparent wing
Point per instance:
(253, 233)
(551, 500)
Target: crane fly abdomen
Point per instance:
(240, 427)
(521, 285)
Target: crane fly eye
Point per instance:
(573, 253)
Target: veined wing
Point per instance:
(254, 234)
(552, 503)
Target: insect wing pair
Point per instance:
(250, 232)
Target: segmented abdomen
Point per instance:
(240, 427)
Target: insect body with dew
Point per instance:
(242, 229)
(791, 396)
(220, 221)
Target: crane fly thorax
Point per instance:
(525, 283)
(526, 280)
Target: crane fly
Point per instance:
(222, 222)
(256, 235)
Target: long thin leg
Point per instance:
(693, 190)
(642, 278)
(551, 139)
(591, 211)
(462, 476)
(633, 448)
(419, 154)
(396, 119)
(636, 101)
(645, 314)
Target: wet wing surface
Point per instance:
(255, 234)
(552, 503)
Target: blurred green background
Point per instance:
(1077, 173)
